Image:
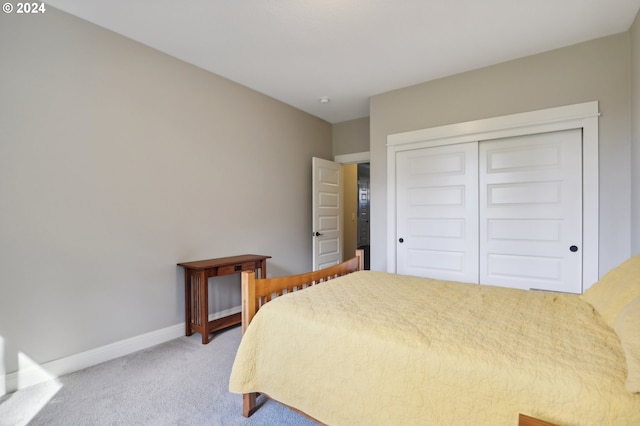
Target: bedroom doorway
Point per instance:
(364, 226)
(356, 219)
(350, 217)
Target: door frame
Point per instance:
(358, 157)
(578, 116)
(355, 158)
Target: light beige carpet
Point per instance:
(180, 382)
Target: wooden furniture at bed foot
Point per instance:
(524, 420)
(196, 290)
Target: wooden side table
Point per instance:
(196, 290)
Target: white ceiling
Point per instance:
(298, 51)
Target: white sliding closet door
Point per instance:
(537, 200)
(531, 211)
(437, 212)
(504, 212)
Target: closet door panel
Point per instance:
(531, 211)
(437, 220)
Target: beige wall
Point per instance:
(635, 136)
(351, 137)
(117, 162)
(596, 70)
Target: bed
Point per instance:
(374, 348)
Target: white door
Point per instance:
(437, 212)
(327, 211)
(531, 211)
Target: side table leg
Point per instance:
(187, 302)
(204, 306)
(263, 268)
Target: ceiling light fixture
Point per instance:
(324, 100)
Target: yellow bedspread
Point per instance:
(373, 348)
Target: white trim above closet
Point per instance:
(582, 116)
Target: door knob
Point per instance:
(401, 240)
(573, 249)
(317, 234)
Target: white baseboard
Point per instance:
(34, 374)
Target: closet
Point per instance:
(503, 209)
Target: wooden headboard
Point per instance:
(256, 292)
